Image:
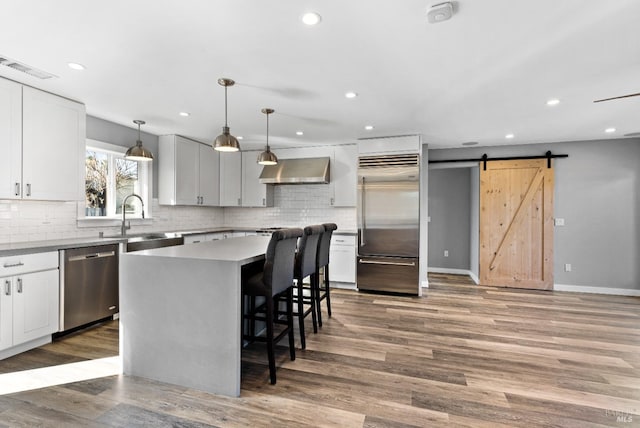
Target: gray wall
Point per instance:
(474, 232)
(597, 193)
(450, 212)
(112, 133)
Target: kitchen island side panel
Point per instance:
(180, 321)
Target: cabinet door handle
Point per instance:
(28, 189)
(332, 201)
(17, 189)
(19, 285)
(201, 200)
(264, 201)
(7, 287)
(239, 201)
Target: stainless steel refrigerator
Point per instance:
(388, 223)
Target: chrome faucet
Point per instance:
(125, 227)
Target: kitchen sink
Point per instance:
(149, 241)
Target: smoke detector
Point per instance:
(440, 12)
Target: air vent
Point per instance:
(389, 161)
(31, 71)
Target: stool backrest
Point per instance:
(280, 259)
(325, 243)
(307, 250)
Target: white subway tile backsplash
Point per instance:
(294, 206)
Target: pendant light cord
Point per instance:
(267, 131)
(225, 107)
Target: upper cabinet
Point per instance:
(239, 181)
(10, 139)
(188, 172)
(42, 146)
(254, 193)
(344, 175)
(231, 179)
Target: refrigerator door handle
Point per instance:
(362, 215)
(373, 262)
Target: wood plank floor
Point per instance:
(463, 355)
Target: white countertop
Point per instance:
(232, 249)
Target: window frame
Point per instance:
(145, 180)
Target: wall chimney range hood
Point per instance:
(297, 171)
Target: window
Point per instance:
(110, 178)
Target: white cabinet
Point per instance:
(389, 145)
(344, 175)
(342, 258)
(189, 172)
(254, 193)
(42, 145)
(10, 139)
(231, 179)
(29, 301)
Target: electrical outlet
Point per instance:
(559, 222)
(446, 253)
(567, 267)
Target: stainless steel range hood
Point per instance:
(297, 171)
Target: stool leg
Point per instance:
(292, 346)
(327, 289)
(300, 299)
(312, 300)
(315, 285)
(270, 352)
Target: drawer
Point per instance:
(16, 265)
(343, 240)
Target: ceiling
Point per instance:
(485, 73)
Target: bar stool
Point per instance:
(323, 262)
(305, 266)
(274, 283)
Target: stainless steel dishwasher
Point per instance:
(89, 285)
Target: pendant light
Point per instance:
(137, 152)
(226, 142)
(267, 157)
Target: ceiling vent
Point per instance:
(31, 71)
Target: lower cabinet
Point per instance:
(29, 301)
(342, 259)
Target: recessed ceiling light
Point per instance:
(350, 94)
(184, 114)
(553, 102)
(311, 18)
(299, 133)
(610, 130)
(76, 66)
(239, 137)
(509, 136)
(368, 127)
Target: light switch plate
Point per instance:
(558, 222)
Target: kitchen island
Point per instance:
(180, 312)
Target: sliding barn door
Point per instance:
(516, 224)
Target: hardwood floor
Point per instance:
(463, 355)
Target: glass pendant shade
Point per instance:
(267, 157)
(226, 142)
(137, 152)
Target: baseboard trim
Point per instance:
(452, 271)
(448, 270)
(596, 290)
